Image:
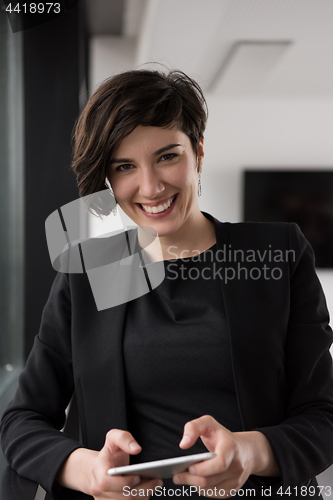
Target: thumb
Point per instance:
(119, 440)
(118, 446)
(190, 435)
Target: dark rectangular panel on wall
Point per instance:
(294, 195)
(55, 66)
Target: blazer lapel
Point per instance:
(100, 373)
(254, 367)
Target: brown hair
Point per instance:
(125, 101)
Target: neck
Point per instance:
(195, 236)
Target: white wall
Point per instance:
(109, 55)
(244, 133)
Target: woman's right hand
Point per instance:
(118, 447)
(86, 470)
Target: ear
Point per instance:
(201, 154)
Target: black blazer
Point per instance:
(280, 338)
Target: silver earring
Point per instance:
(199, 184)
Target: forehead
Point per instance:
(151, 139)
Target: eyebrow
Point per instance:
(158, 152)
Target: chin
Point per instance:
(162, 229)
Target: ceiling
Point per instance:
(234, 48)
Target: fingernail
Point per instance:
(136, 480)
(191, 470)
(134, 446)
(185, 440)
(160, 482)
(176, 480)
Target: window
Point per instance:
(11, 205)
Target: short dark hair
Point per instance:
(125, 101)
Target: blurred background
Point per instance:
(266, 67)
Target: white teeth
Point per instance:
(158, 209)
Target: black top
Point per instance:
(280, 342)
(177, 358)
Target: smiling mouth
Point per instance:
(157, 209)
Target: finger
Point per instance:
(117, 439)
(102, 485)
(117, 448)
(118, 483)
(202, 481)
(150, 483)
(121, 486)
(218, 491)
(224, 455)
(224, 489)
(205, 426)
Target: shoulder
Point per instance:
(277, 234)
(263, 229)
(259, 233)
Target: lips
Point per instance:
(160, 208)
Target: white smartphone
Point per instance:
(161, 468)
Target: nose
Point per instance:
(151, 186)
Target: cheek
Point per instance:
(182, 177)
(123, 190)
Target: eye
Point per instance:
(168, 157)
(124, 168)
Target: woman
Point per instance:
(238, 357)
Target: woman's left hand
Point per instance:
(238, 455)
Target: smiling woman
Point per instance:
(124, 102)
(227, 354)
